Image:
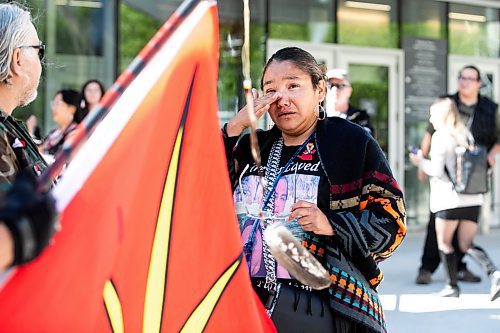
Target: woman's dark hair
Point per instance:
(474, 68)
(70, 96)
(73, 97)
(302, 59)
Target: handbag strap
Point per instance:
(471, 119)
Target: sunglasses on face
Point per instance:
(40, 48)
(337, 85)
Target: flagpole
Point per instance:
(87, 126)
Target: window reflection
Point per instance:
(424, 18)
(368, 23)
(79, 27)
(370, 86)
(311, 21)
(231, 36)
(474, 30)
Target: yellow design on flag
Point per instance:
(147, 210)
(113, 307)
(201, 315)
(155, 291)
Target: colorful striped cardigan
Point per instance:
(367, 212)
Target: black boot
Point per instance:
(463, 273)
(481, 257)
(450, 265)
(495, 285)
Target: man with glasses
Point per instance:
(27, 216)
(337, 100)
(479, 114)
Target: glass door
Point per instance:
(82, 46)
(377, 87)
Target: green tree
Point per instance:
(136, 29)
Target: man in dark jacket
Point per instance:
(337, 104)
(28, 218)
(478, 113)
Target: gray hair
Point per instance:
(14, 22)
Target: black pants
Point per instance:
(299, 310)
(304, 311)
(430, 256)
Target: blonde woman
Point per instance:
(453, 210)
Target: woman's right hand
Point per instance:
(416, 158)
(241, 120)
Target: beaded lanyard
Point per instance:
(271, 180)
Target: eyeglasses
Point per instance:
(93, 90)
(55, 103)
(337, 85)
(259, 213)
(469, 79)
(41, 50)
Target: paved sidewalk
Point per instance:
(413, 308)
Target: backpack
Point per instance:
(471, 170)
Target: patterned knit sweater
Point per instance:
(17, 152)
(367, 212)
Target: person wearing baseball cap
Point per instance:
(337, 100)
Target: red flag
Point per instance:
(149, 238)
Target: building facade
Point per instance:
(400, 55)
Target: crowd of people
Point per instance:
(69, 107)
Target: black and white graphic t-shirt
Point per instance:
(303, 179)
